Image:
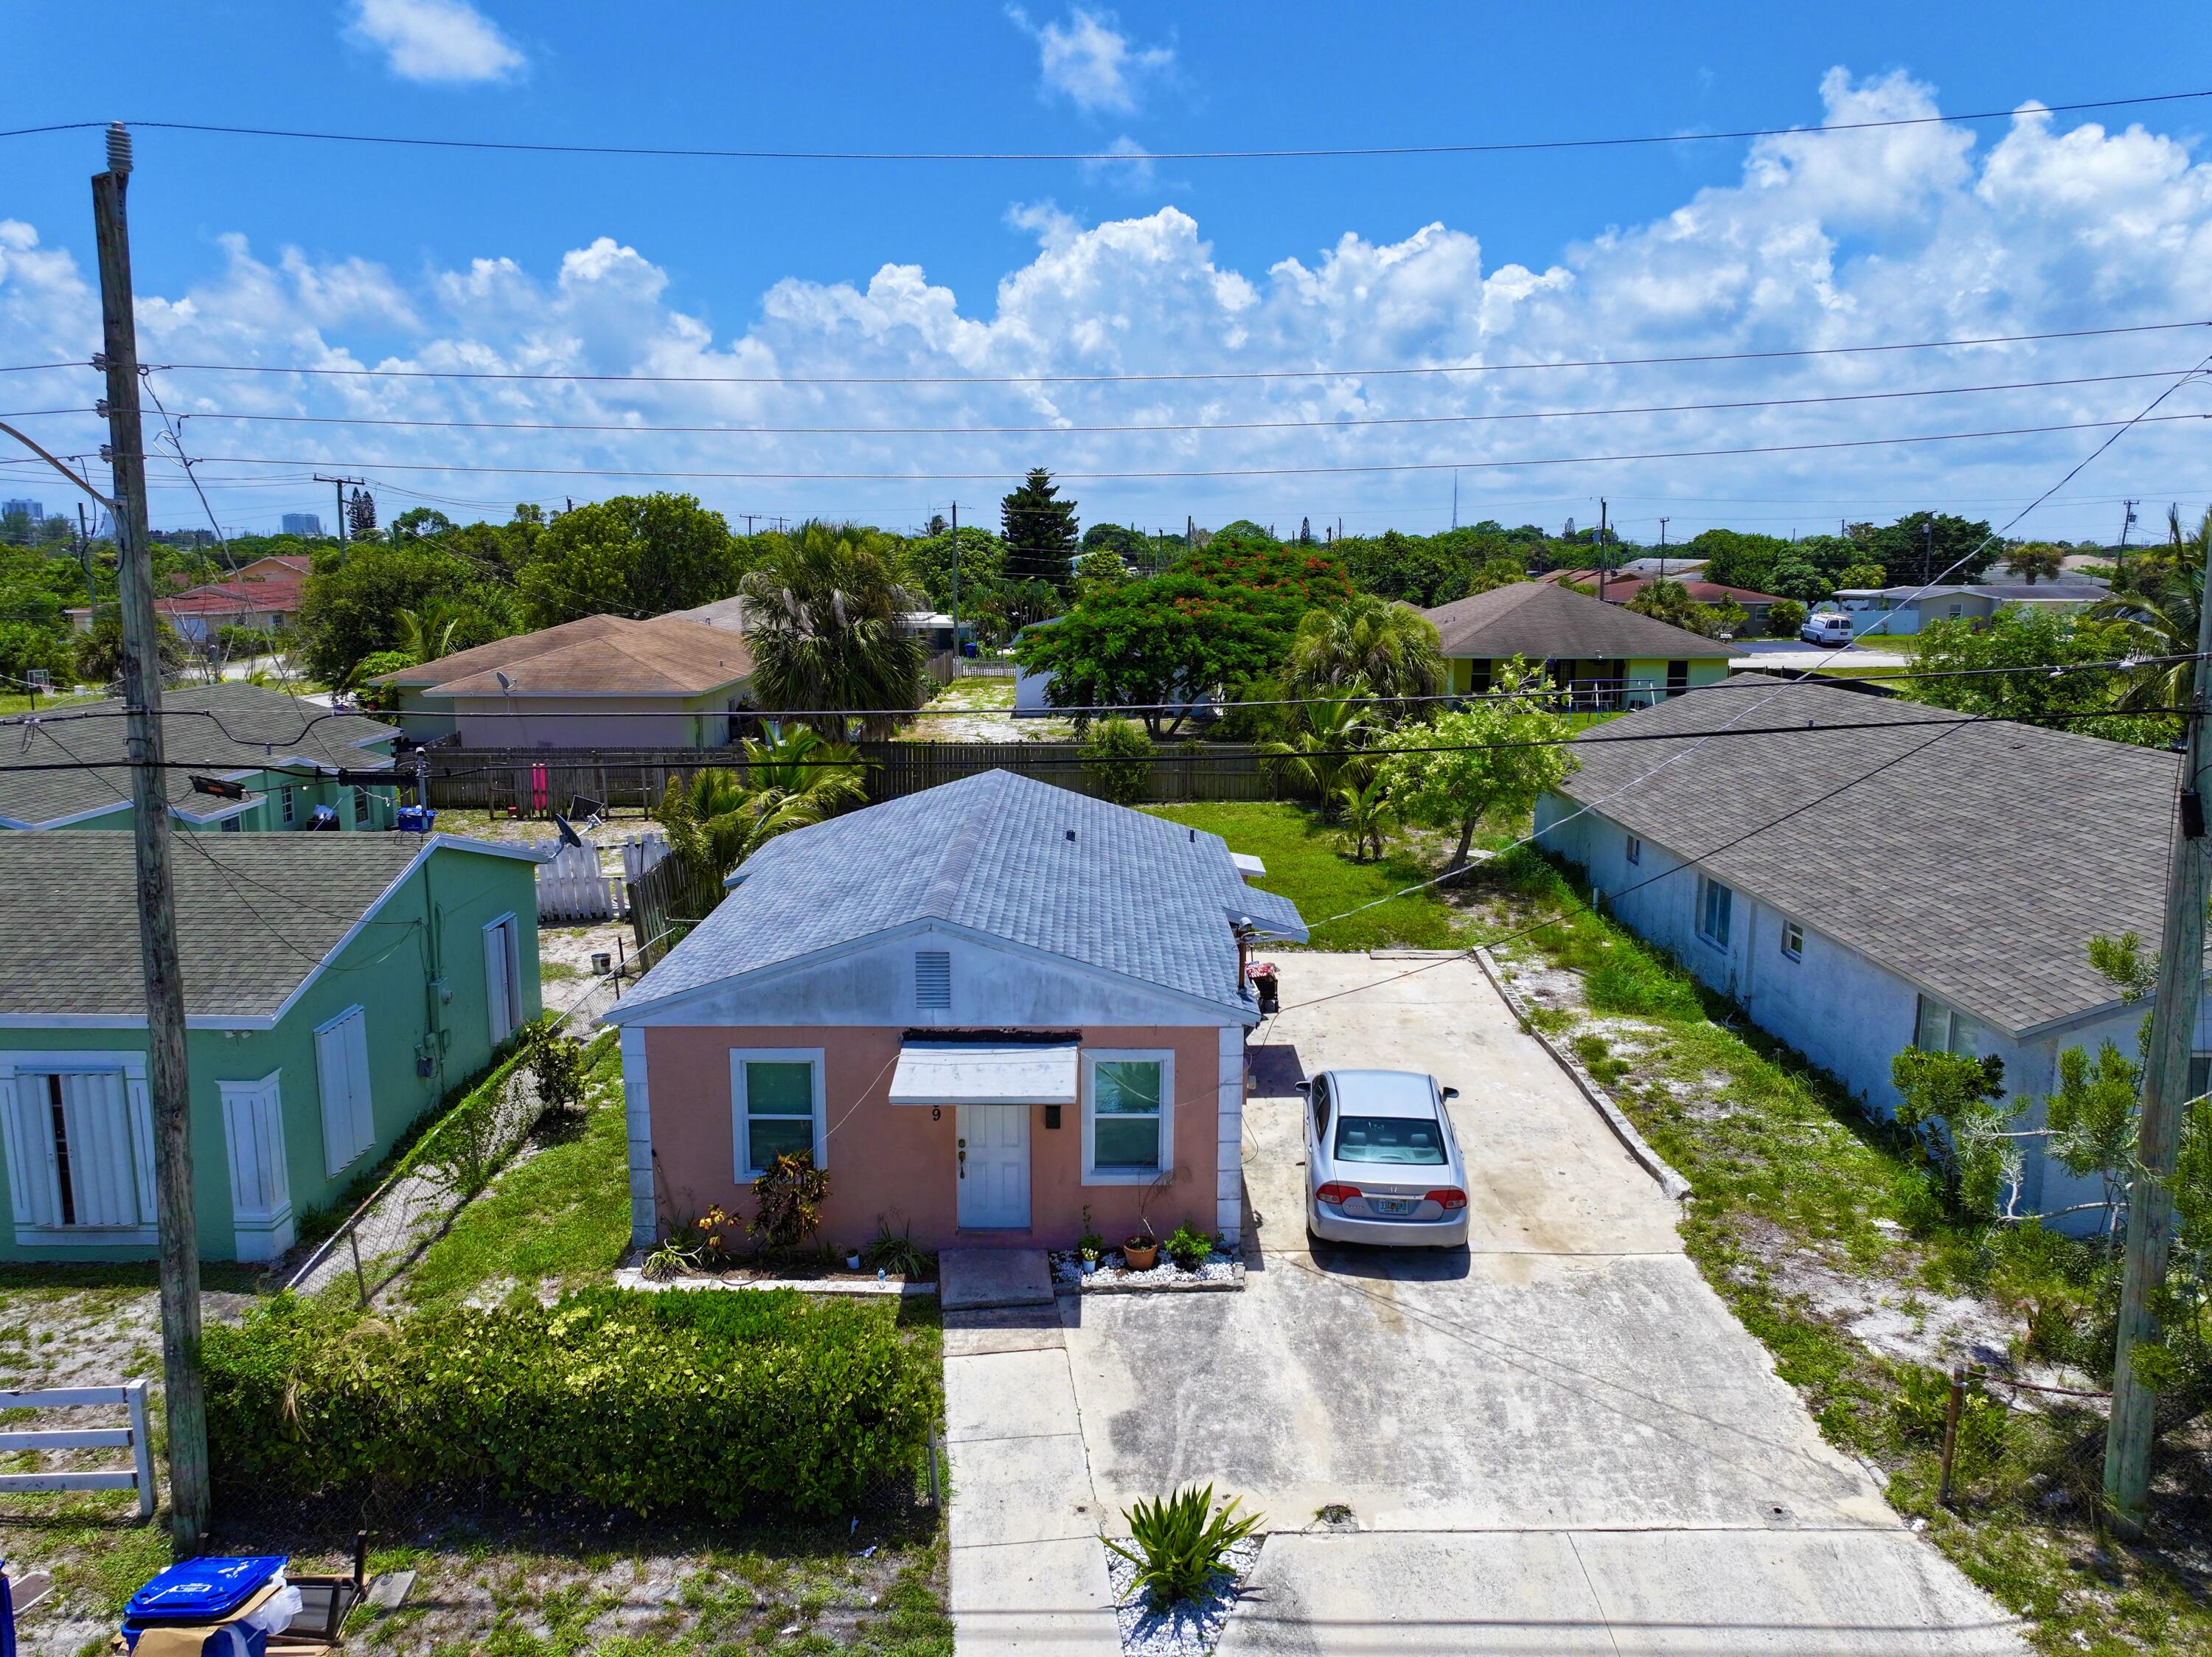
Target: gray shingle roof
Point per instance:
(246, 726)
(255, 915)
(1978, 867)
(1134, 894)
(1546, 622)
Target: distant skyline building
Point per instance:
(303, 523)
(35, 510)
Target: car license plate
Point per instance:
(1391, 1204)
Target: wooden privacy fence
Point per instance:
(536, 780)
(666, 900)
(130, 1398)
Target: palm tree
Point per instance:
(427, 633)
(1364, 810)
(1390, 649)
(2160, 607)
(1318, 755)
(823, 612)
(2037, 561)
(727, 813)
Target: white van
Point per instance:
(1826, 627)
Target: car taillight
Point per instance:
(1335, 1194)
(1449, 1200)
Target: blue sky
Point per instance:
(273, 253)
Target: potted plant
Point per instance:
(1090, 1244)
(1142, 1247)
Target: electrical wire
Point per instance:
(1520, 146)
(1144, 378)
(1346, 469)
(727, 428)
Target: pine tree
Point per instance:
(1039, 530)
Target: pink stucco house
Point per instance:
(985, 1008)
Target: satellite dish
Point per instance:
(568, 836)
(505, 683)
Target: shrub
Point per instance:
(1182, 1542)
(558, 1064)
(1115, 746)
(1785, 617)
(1187, 1247)
(787, 1201)
(726, 1406)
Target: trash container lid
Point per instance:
(202, 1590)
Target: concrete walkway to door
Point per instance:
(1028, 1571)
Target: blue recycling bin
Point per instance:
(203, 1590)
(417, 819)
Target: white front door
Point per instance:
(993, 1156)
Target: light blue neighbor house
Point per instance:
(1861, 874)
(336, 987)
(281, 756)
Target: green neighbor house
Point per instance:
(283, 752)
(1604, 656)
(336, 987)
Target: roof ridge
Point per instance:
(962, 846)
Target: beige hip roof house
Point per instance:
(988, 1010)
(1606, 657)
(602, 681)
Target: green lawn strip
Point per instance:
(1306, 863)
(1782, 1163)
(562, 1215)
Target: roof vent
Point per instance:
(1071, 837)
(933, 978)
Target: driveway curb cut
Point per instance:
(1676, 1188)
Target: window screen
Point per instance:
(1126, 1114)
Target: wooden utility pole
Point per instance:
(2165, 1099)
(955, 588)
(165, 1068)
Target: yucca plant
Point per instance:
(1181, 1541)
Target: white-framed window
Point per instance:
(776, 1106)
(342, 1078)
(1938, 1028)
(290, 797)
(1129, 1114)
(503, 947)
(231, 825)
(1793, 940)
(79, 1128)
(1715, 902)
(260, 1183)
(361, 812)
(1635, 850)
(932, 978)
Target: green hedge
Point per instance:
(720, 1404)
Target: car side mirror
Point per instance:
(1451, 1093)
(1305, 1086)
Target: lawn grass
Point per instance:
(558, 1219)
(1307, 863)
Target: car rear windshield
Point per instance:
(1389, 1139)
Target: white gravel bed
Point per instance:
(1190, 1628)
(1112, 1274)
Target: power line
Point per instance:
(1335, 152)
(1344, 469)
(1220, 374)
(621, 429)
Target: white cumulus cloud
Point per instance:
(443, 41)
(1904, 233)
(1087, 59)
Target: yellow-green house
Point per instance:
(1602, 657)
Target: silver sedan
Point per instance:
(1382, 1165)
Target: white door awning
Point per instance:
(985, 1073)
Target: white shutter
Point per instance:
(141, 1136)
(342, 1078)
(253, 1134)
(498, 1003)
(361, 1094)
(102, 1150)
(32, 1190)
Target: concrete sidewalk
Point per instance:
(1028, 1570)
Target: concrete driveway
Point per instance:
(1559, 1441)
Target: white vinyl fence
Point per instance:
(130, 1398)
